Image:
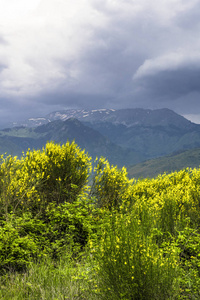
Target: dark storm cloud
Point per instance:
(172, 84)
(75, 100)
(118, 51)
(101, 53)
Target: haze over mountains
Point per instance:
(125, 137)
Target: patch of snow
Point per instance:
(36, 119)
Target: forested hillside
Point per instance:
(115, 238)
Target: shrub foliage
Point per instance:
(138, 239)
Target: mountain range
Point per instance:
(125, 136)
(127, 117)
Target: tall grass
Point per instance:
(47, 279)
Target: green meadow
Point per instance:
(72, 229)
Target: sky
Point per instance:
(90, 54)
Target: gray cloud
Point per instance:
(172, 81)
(173, 84)
(99, 53)
(189, 19)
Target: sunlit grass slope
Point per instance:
(168, 164)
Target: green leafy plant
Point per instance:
(16, 250)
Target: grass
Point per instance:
(47, 280)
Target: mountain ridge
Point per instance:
(127, 117)
(21, 138)
(124, 137)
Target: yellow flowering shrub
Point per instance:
(181, 189)
(148, 247)
(110, 185)
(128, 262)
(54, 174)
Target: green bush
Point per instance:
(16, 250)
(26, 238)
(68, 223)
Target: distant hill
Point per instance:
(168, 164)
(153, 133)
(18, 139)
(125, 136)
(89, 139)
